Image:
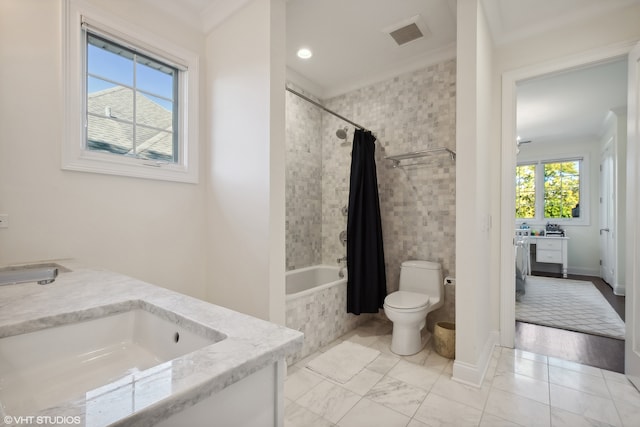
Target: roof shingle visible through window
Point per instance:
(110, 125)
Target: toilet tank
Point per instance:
(424, 277)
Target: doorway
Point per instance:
(509, 134)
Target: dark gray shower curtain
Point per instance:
(367, 283)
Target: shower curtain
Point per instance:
(366, 283)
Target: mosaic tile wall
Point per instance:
(303, 159)
(411, 112)
(322, 318)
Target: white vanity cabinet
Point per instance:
(551, 250)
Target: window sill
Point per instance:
(135, 168)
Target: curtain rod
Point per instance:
(324, 108)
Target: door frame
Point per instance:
(607, 207)
(508, 151)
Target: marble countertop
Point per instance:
(81, 293)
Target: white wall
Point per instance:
(583, 250)
(143, 228)
(245, 180)
(474, 340)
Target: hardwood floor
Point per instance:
(593, 350)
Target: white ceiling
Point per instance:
(351, 48)
(570, 104)
(511, 20)
(349, 44)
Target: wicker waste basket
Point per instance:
(444, 335)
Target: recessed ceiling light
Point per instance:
(304, 53)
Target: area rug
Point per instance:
(343, 361)
(574, 305)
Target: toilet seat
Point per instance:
(407, 301)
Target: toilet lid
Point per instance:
(406, 300)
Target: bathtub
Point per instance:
(316, 304)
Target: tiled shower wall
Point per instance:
(411, 112)
(303, 183)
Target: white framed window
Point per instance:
(553, 190)
(131, 100)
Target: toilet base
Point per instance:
(407, 339)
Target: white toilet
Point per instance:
(421, 291)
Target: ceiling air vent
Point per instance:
(406, 34)
(408, 30)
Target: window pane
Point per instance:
(156, 145)
(110, 120)
(562, 189)
(109, 61)
(115, 102)
(525, 191)
(154, 112)
(130, 102)
(109, 135)
(155, 78)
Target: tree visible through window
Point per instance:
(556, 195)
(561, 189)
(526, 191)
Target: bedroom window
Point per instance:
(131, 99)
(562, 189)
(526, 191)
(551, 191)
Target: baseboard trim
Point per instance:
(619, 289)
(582, 271)
(473, 374)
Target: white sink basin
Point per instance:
(44, 368)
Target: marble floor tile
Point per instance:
(624, 392)
(629, 414)
(585, 404)
(523, 386)
(343, 361)
(366, 334)
(383, 345)
(299, 383)
(414, 374)
(517, 409)
(471, 396)
(520, 389)
(383, 363)
(573, 366)
(579, 381)
(436, 362)
(302, 363)
(298, 416)
(562, 418)
(614, 376)
(528, 355)
(329, 400)
(397, 395)
(489, 420)
(518, 365)
(367, 413)
(329, 346)
(442, 412)
(363, 381)
(421, 357)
